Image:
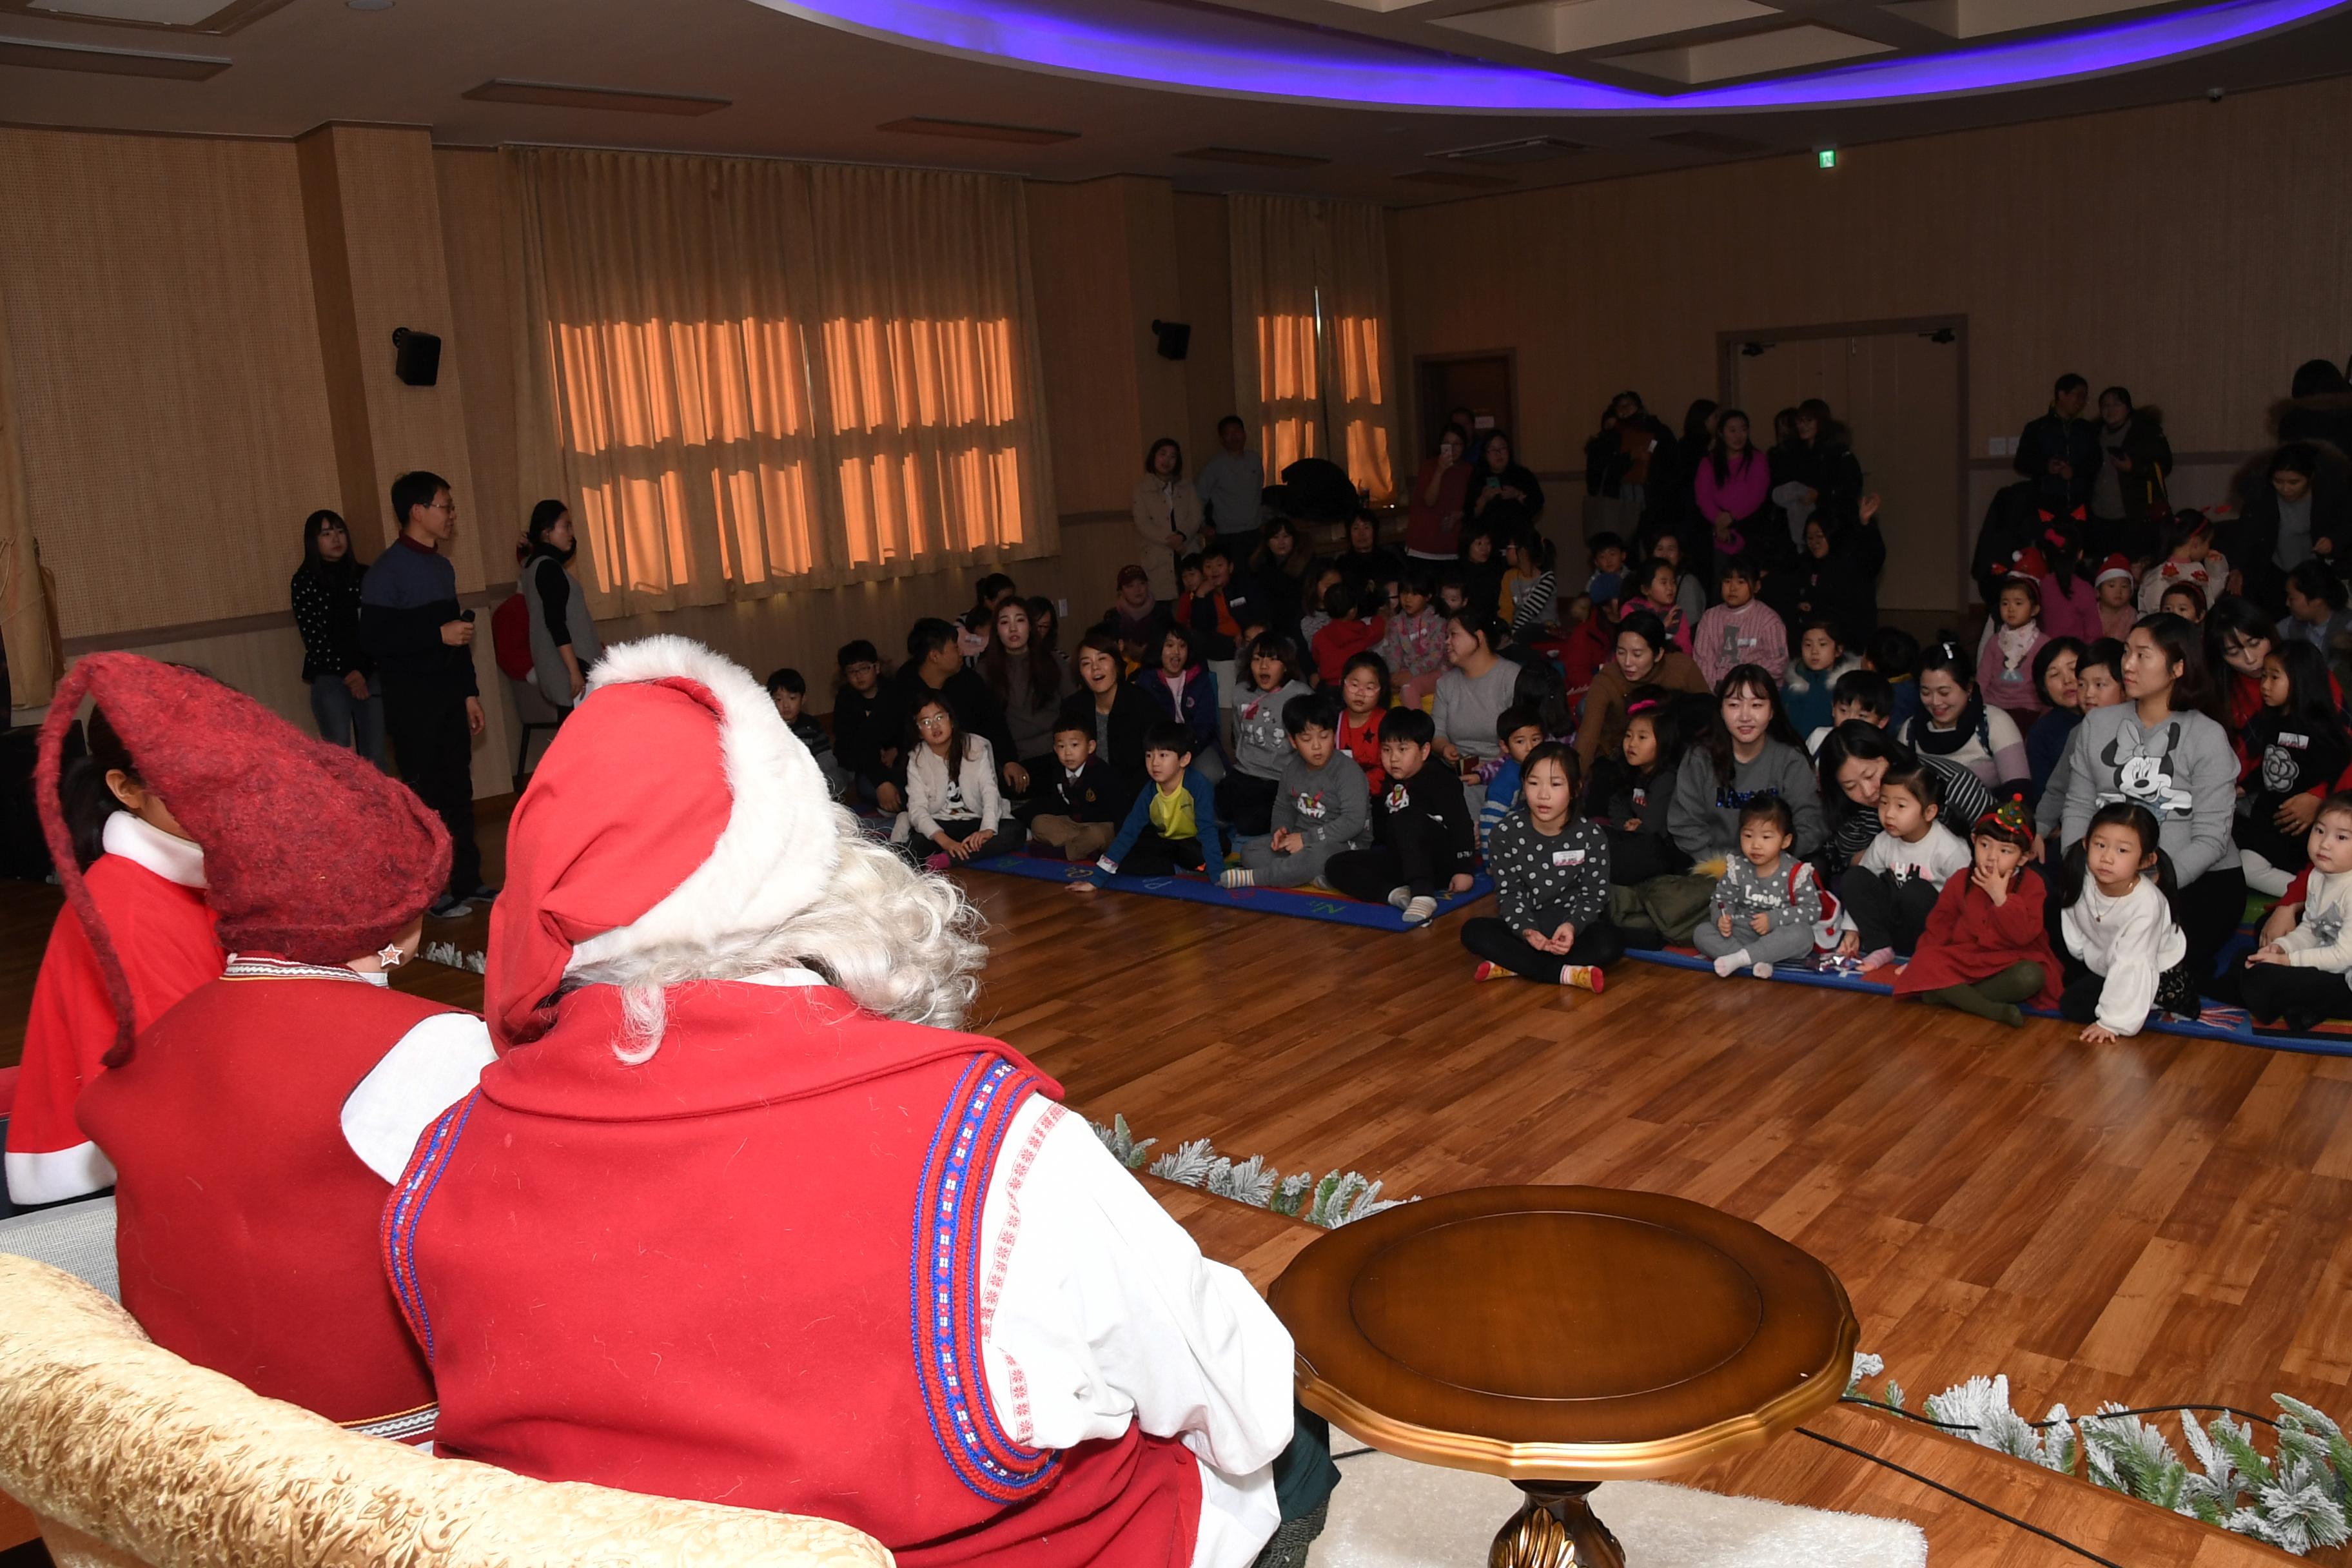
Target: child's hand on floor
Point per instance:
(2098, 1034)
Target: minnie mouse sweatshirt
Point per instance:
(2180, 768)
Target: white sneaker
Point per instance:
(1417, 911)
(1762, 971)
(1399, 896)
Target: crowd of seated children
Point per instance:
(1552, 876)
(1887, 896)
(1423, 841)
(1986, 947)
(1322, 806)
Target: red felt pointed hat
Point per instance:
(309, 851)
(674, 813)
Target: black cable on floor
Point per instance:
(1951, 1492)
(2044, 1426)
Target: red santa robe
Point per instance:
(1968, 938)
(149, 889)
(217, 1265)
(806, 1259)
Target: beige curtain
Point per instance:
(757, 375)
(936, 424)
(27, 615)
(1311, 334)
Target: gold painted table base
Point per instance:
(1556, 1529)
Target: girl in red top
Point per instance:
(129, 867)
(1985, 950)
(1363, 704)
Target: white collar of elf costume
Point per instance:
(174, 860)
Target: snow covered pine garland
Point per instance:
(2294, 1500)
(1334, 1201)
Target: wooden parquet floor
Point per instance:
(2155, 1221)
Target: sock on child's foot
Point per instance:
(1877, 956)
(1762, 971)
(1237, 879)
(939, 862)
(2010, 1013)
(1731, 964)
(1418, 910)
(1583, 976)
(1490, 971)
(1399, 896)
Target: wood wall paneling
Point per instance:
(1205, 276)
(2200, 292)
(1079, 246)
(167, 371)
(1156, 294)
(474, 237)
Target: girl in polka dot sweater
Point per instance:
(1552, 885)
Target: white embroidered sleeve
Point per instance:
(434, 1066)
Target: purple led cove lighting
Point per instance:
(1209, 51)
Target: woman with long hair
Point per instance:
(1031, 683)
(1747, 750)
(564, 642)
(2160, 749)
(1281, 566)
(1855, 757)
(1496, 475)
(1815, 474)
(345, 698)
(1735, 484)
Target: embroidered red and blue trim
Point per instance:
(945, 1285)
(406, 1207)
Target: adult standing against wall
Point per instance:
(1497, 474)
(1734, 486)
(423, 644)
(345, 697)
(1232, 488)
(2292, 504)
(1433, 519)
(563, 645)
(2060, 451)
(1166, 517)
(2128, 497)
(1817, 472)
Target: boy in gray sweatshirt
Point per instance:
(1323, 805)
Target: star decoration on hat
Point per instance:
(390, 955)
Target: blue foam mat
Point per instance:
(2215, 1022)
(1297, 902)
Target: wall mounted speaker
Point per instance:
(417, 356)
(1175, 338)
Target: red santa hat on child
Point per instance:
(311, 852)
(675, 812)
(2114, 566)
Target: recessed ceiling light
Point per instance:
(1253, 157)
(977, 131)
(568, 95)
(369, 4)
(40, 55)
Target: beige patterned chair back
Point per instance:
(131, 1456)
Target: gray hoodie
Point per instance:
(1705, 816)
(2182, 770)
(1261, 745)
(1329, 806)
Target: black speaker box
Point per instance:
(417, 357)
(1175, 338)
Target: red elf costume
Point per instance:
(147, 888)
(713, 1227)
(1968, 938)
(256, 1127)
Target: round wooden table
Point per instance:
(1562, 1337)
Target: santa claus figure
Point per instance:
(255, 1127)
(739, 1216)
(131, 867)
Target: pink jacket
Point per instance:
(1742, 494)
(1752, 633)
(2075, 614)
(1415, 645)
(2012, 690)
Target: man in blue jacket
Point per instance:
(423, 647)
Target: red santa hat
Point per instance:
(309, 851)
(2029, 566)
(2114, 566)
(674, 813)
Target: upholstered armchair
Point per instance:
(131, 1456)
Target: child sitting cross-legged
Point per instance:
(1986, 949)
(2124, 941)
(1767, 902)
(2301, 977)
(1081, 799)
(953, 801)
(1173, 823)
(1423, 837)
(1520, 729)
(1323, 806)
(1551, 886)
(1886, 897)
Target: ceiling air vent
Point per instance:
(1710, 141)
(1526, 150)
(1457, 179)
(622, 99)
(977, 131)
(1253, 157)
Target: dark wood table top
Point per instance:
(1564, 1334)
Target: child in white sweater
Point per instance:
(952, 804)
(2123, 948)
(1884, 899)
(1766, 903)
(2303, 976)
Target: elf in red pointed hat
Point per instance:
(255, 1127)
(136, 933)
(738, 1215)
